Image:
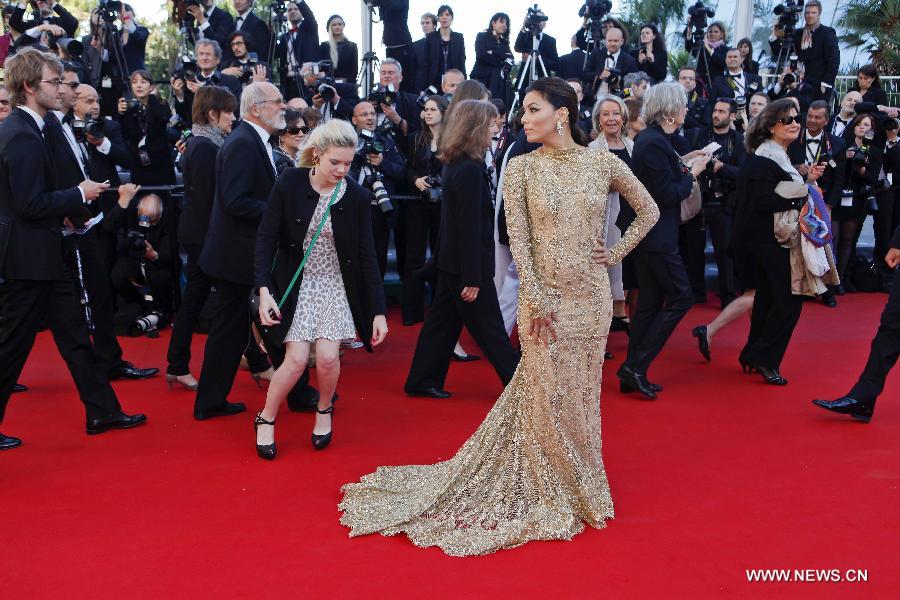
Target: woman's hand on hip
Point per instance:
(600, 253)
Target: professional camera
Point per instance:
(370, 144)
(422, 100)
(533, 20)
(186, 67)
(95, 128)
(788, 13)
(615, 79)
(434, 193)
(713, 183)
(150, 322)
(699, 13)
(136, 241)
(73, 48)
(861, 156)
(323, 67)
(247, 69)
(326, 88)
(594, 9)
(279, 11)
(375, 182)
(383, 95)
(109, 9)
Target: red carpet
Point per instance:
(720, 475)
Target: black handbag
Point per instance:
(271, 337)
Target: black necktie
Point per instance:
(816, 142)
(238, 22)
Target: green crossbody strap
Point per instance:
(312, 242)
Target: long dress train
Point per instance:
(533, 470)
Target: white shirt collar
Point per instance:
(739, 74)
(262, 133)
(37, 118)
(243, 16)
(809, 136)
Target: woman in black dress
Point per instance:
(145, 128)
(444, 49)
(343, 54)
(651, 54)
(491, 53)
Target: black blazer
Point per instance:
(199, 176)
(282, 231)
(721, 87)
(757, 201)
(260, 36)
(136, 49)
(821, 60)
(832, 180)
(895, 240)
(713, 65)
(305, 42)
(154, 124)
(490, 56)
(65, 163)
(434, 56)
(655, 163)
(221, 24)
(63, 18)
(31, 205)
(875, 95)
(420, 51)
(571, 65)
(658, 69)
(348, 60)
(547, 48)
(244, 180)
(466, 237)
(597, 62)
(394, 15)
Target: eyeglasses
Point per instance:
(789, 120)
(295, 130)
(53, 82)
(278, 100)
(4, 102)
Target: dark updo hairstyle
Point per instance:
(760, 128)
(560, 94)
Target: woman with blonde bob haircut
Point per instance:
(339, 292)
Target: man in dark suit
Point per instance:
(342, 101)
(859, 403)
(404, 113)
(816, 46)
(465, 293)
(603, 60)
(51, 13)
(243, 66)
(209, 55)
(815, 146)
(735, 83)
(212, 23)
(527, 42)
(297, 46)
(571, 66)
(699, 115)
(227, 256)
(419, 75)
(36, 284)
(253, 26)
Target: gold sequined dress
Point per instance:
(533, 470)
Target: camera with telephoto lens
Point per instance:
(73, 48)
(861, 156)
(375, 182)
(96, 128)
(699, 14)
(788, 14)
(533, 19)
(136, 241)
(422, 100)
(109, 9)
(383, 94)
(186, 67)
(248, 68)
(594, 9)
(326, 89)
(150, 322)
(434, 193)
(370, 144)
(614, 81)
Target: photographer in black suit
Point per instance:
(51, 12)
(608, 65)
(699, 114)
(246, 64)
(531, 38)
(296, 46)
(465, 293)
(227, 255)
(397, 39)
(209, 56)
(36, 285)
(212, 23)
(571, 65)
(816, 46)
(322, 92)
(247, 21)
(403, 113)
(735, 83)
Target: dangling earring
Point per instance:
(315, 163)
(559, 128)
(669, 120)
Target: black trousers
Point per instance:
(381, 232)
(884, 352)
(443, 325)
(423, 220)
(883, 227)
(229, 337)
(775, 309)
(23, 306)
(92, 246)
(692, 247)
(720, 224)
(160, 280)
(196, 291)
(664, 300)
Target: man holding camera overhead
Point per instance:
(298, 45)
(51, 13)
(815, 45)
(212, 23)
(188, 80)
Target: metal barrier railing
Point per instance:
(890, 85)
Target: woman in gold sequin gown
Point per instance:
(533, 470)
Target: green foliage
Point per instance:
(874, 25)
(662, 12)
(678, 59)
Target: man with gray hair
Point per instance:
(322, 92)
(637, 82)
(245, 174)
(209, 55)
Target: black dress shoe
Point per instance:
(770, 376)
(464, 357)
(229, 408)
(845, 405)
(20, 388)
(117, 421)
(626, 389)
(839, 290)
(619, 324)
(829, 299)
(699, 332)
(429, 392)
(629, 381)
(128, 371)
(8, 442)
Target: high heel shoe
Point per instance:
(320, 442)
(699, 332)
(190, 385)
(268, 451)
(746, 367)
(465, 357)
(263, 376)
(770, 376)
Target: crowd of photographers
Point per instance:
(119, 128)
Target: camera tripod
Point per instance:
(109, 39)
(700, 60)
(532, 69)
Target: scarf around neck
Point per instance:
(210, 132)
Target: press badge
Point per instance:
(847, 198)
(106, 83)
